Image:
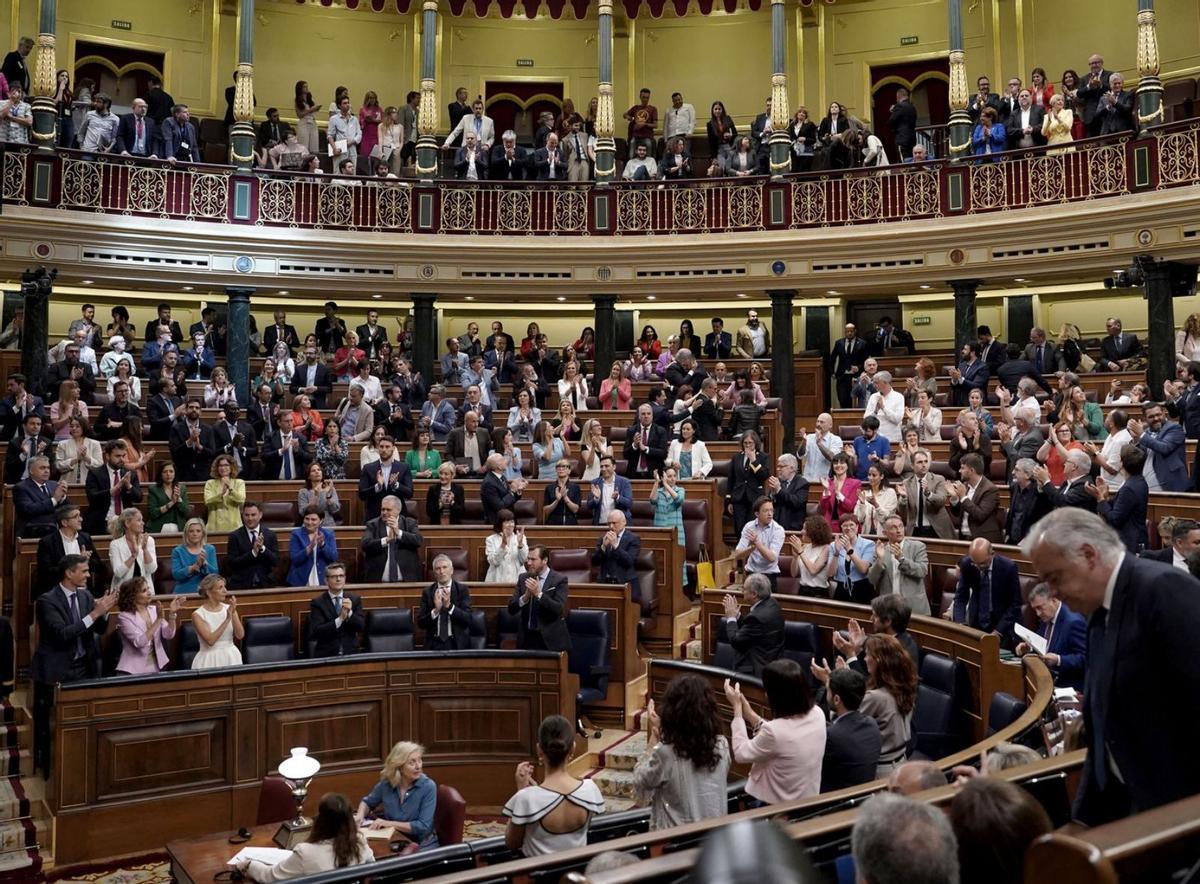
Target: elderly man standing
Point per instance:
(788, 490)
(445, 611)
(684, 371)
(887, 406)
(757, 635)
(616, 554)
(988, 594)
(646, 445)
(900, 566)
(1073, 492)
(1026, 504)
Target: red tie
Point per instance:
(117, 499)
(642, 459)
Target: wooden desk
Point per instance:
(197, 860)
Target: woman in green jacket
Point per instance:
(167, 509)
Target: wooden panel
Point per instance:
(135, 761)
(342, 734)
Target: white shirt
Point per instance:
(608, 494)
(71, 547)
(679, 122)
(1179, 561)
(758, 340)
(890, 412)
(816, 465)
(966, 525)
(1111, 455)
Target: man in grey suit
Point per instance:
(1043, 354)
(757, 635)
(1027, 438)
(900, 566)
(922, 500)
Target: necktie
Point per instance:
(642, 459)
(117, 505)
(287, 458)
(578, 149)
(75, 618)
(393, 565)
(1037, 358)
(983, 611)
(45, 490)
(1049, 632)
(1098, 671)
(443, 618)
(533, 608)
(920, 505)
(140, 133)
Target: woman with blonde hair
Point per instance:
(1187, 340)
(219, 389)
(1057, 125)
(616, 392)
(68, 406)
(592, 445)
(193, 559)
(77, 455)
(1069, 338)
(131, 552)
(404, 798)
(217, 625)
(224, 495)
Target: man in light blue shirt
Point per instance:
(761, 542)
(484, 378)
(343, 127)
(855, 555)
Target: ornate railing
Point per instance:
(1168, 157)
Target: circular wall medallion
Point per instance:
(957, 256)
(604, 274)
(43, 249)
(243, 264)
(1145, 237)
(427, 271)
(779, 268)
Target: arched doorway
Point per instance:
(929, 84)
(516, 105)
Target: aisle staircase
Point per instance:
(25, 827)
(609, 763)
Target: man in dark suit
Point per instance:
(616, 554)
(312, 378)
(496, 492)
(445, 610)
(757, 635)
(456, 446)
(988, 594)
(191, 444)
(992, 351)
(509, 162)
(1026, 505)
(788, 490)
(35, 499)
(707, 415)
(1184, 540)
(280, 331)
(111, 488)
(163, 408)
(110, 423)
(137, 134)
(253, 552)
(718, 343)
(52, 549)
(971, 374)
(540, 604)
(902, 120)
(284, 454)
(1073, 492)
(1117, 348)
(16, 68)
(72, 369)
(646, 445)
(1094, 85)
(70, 620)
(458, 109)
(387, 476)
(236, 437)
(262, 412)
(330, 329)
(164, 318)
(1043, 354)
(1023, 124)
(272, 131)
(19, 404)
(1126, 512)
(983, 97)
(1143, 672)
(24, 447)
(335, 617)
(684, 370)
(846, 361)
(1066, 638)
(852, 740)
(372, 335)
(549, 162)
(977, 499)
(1116, 108)
(1015, 366)
(390, 543)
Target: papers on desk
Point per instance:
(378, 834)
(1065, 694)
(268, 855)
(1035, 641)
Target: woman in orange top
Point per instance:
(306, 420)
(529, 344)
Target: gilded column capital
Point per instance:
(44, 85)
(1147, 48)
(427, 112)
(429, 6)
(605, 7)
(243, 97)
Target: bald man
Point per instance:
(912, 777)
(988, 594)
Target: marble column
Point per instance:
(958, 129)
(816, 337)
(783, 371)
(780, 144)
(1150, 90)
(1160, 326)
(966, 328)
(237, 341)
(606, 335)
(427, 112)
(241, 134)
(36, 289)
(43, 80)
(606, 145)
(425, 335)
(1020, 319)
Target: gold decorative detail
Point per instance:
(458, 209)
(605, 7)
(1047, 179)
(808, 203)
(745, 206)
(958, 80)
(393, 208)
(277, 201)
(1143, 119)
(335, 205)
(633, 209)
(14, 176)
(427, 111)
(1147, 48)
(1106, 165)
(987, 186)
(210, 196)
(865, 198)
(147, 189)
(604, 111)
(779, 102)
(243, 96)
(922, 195)
(44, 68)
(515, 211)
(570, 210)
(690, 208)
(81, 184)
(1177, 161)
(429, 6)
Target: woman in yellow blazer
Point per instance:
(224, 495)
(1056, 125)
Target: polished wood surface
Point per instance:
(139, 761)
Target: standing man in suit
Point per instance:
(69, 540)
(284, 454)
(993, 352)
(988, 594)
(983, 97)
(922, 499)
(718, 343)
(1126, 512)
(137, 134)
(1095, 84)
(1116, 108)
(757, 635)
(540, 603)
(35, 499)
(330, 329)
(1184, 540)
(900, 566)
(458, 109)
(852, 740)
(509, 162)
(372, 335)
(164, 318)
(1165, 447)
(1073, 492)
(902, 120)
(470, 443)
(236, 437)
(445, 611)
(497, 492)
(312, 378)
(646, 445)
(788, 490)
(163, 408)
(335, 617)
(753, 339)
(1043, 354)
(281, 331)
(1013, 367)
(24, 447)
(191, 444)
(846, 361)
(386, 477)
(1026, 504)
(971, 374)
(483, 127)
(579, 148)
(549, 162)
(616, 554)
(179, 139)
(1024, 125)
(1066, 637)
(390, 545)
(253, 552)
(111, 488)
(1117, 348)
(975, 502)
(610, 493)
(70, 620)
(1142, 666)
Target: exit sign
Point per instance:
(524, 62)
(909, 41)
(922, 320)
(122, 25)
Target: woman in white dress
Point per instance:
(814, 559)
(76, 455)
(217, 625)
(876, 501)
(506, 549)
(573, 387)
(131, 552)
(592, 446)
(554, 815)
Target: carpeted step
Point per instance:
(14, 736)
(14, 799)
(23, 833)
(16, 762)
(615, 784)
(625, 754)
(21, 866)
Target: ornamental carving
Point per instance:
(392, 208)
(570, 211)
(14, 176)
(81, 184)
(458, 209)
(1177, 158)
(922, 196)
(335, 205)
(147, 190)
(808, 203)
(689, 211)
(515, 210)
(1047, 179)
(1106, 165)
(277, 201)
(210, 195)
(633, 210)
(865, 199)
(987, 186)
(745, 206)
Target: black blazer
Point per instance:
(459, 627)
(191, 463)
(903, 123)
(847, 357)
(370, 343)
(433, 504)
(852, 744)
(61, 371)
(708, 417)
(496, 496)
(560, 515)
(50, 554)
(99, 494)
(15, 458)
(127, 136)
(405, 550)
(658, 442)
(176, 331)
(1006, 597)
(791, 503)
(718, 348)
(247, 451)
(746, 483)
(541, 164)
(1130, 347)
(57, 635)
(1127, 513)
(399, 483)
(1149, 631)
(328, 638)
(322, 380)
(618, 565)
(1166, 555)
(263, 423)
(161, 414)
(756, 637)
(1024, 510)
(273, 460)
(501, 168)
(1076, 495)
(1010, 371)
(271, 337)
(243, 568)
(551, 612)
(1117, 117)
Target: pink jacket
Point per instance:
(135, 647)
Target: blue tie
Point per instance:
(287, 463)
(75, 618)
(984, 609)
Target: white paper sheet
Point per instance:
(1031, 638)
(268, 855)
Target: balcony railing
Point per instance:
(1167, 157)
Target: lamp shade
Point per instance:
(299, 765)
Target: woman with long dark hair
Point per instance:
(306, 120)
(64, 101)
(688, 340)
(719, 124)
(334, 843)
(683, 774)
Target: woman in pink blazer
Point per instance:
(143, 628)
(616, 393)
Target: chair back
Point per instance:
(589, 654)
(388, 630)
(450, 816)
(275, 801)
(268, 640)
(189, 644)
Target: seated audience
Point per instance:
(445, 610)
(253, 551)
(69, 539)
(756, 636)
(916, 776)
(35, 499)
(335, 617)
(786, 752)
(899, 839)
(994, 822)
(224, 495)
(217, 625)
(852, 739)
(1066, 638)
(555, 814)
(445, 501)
(404, 800)
(334, 842)
(194, 559)
(683, 774)
(391, 542)
(319, 492)
(540, 601)
(143, 626)
(310, 549)
(1073, 491)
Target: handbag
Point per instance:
(704, 570)
(1086, 363)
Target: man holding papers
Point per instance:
(1061, 638)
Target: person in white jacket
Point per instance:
(335, 842)
(483, 127)
(699, 462)
(131, 552)
(506, 549)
